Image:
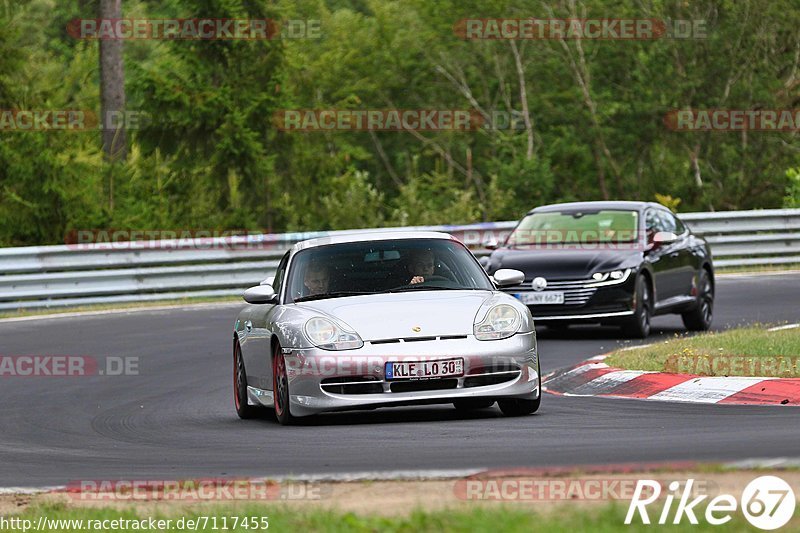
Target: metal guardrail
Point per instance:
(70, 275)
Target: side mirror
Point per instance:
(505, 277)
(664, 237)
(269, 281)
(490, 243)
(260, 294)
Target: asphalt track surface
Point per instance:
(175, 420)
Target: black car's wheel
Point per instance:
(280, 388)
(243, 409)
(638, 325)
(470, 404)
(699, 318)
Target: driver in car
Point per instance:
(421, 265)
(316, 279)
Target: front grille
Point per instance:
(575, 294)
(423, 385)
(499, 367)
(490, 379)
(418, 339)
(352, 385)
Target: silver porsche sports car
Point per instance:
(371, 320)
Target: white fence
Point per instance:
(69, 275)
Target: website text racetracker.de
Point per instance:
(198, 523)
(13, 366)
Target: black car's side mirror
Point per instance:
(490, 243)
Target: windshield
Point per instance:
(576, 227)
(383, 266)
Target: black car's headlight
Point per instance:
(611, 277)
(500, 322)
(324, 333)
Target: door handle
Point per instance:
(248, 326)
(674, 254)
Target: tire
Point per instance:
(699, 318)
(638, 326)
(243, 409)
(280, 388)
(470, 404)
(514, 407)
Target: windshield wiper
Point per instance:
(337, 294)
(417, 287)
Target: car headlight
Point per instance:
(500, 322)
(325, 334)
(611, 277)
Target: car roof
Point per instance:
(366, 236)
(618, 204)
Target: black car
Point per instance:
(610, 263)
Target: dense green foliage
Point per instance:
(211, 157)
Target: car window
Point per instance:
(280, 274)
(576, 227)
(680, 228)
(653, 222)
(379, 266)
(667, 221)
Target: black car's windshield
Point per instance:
(373, 267)
(576, 227)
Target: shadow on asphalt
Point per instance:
(589, 332)
(394, 415)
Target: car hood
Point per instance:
(562, 264)
(390, 316)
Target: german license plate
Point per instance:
(425, 369)
(542, 298)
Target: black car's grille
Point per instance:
(575, 292)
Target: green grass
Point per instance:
(750, 351)
(521, 517)
(111, 306)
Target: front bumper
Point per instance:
(584, 303)
(321, 380)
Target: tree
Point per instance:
(112, 88)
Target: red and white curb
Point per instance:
(595, 378)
